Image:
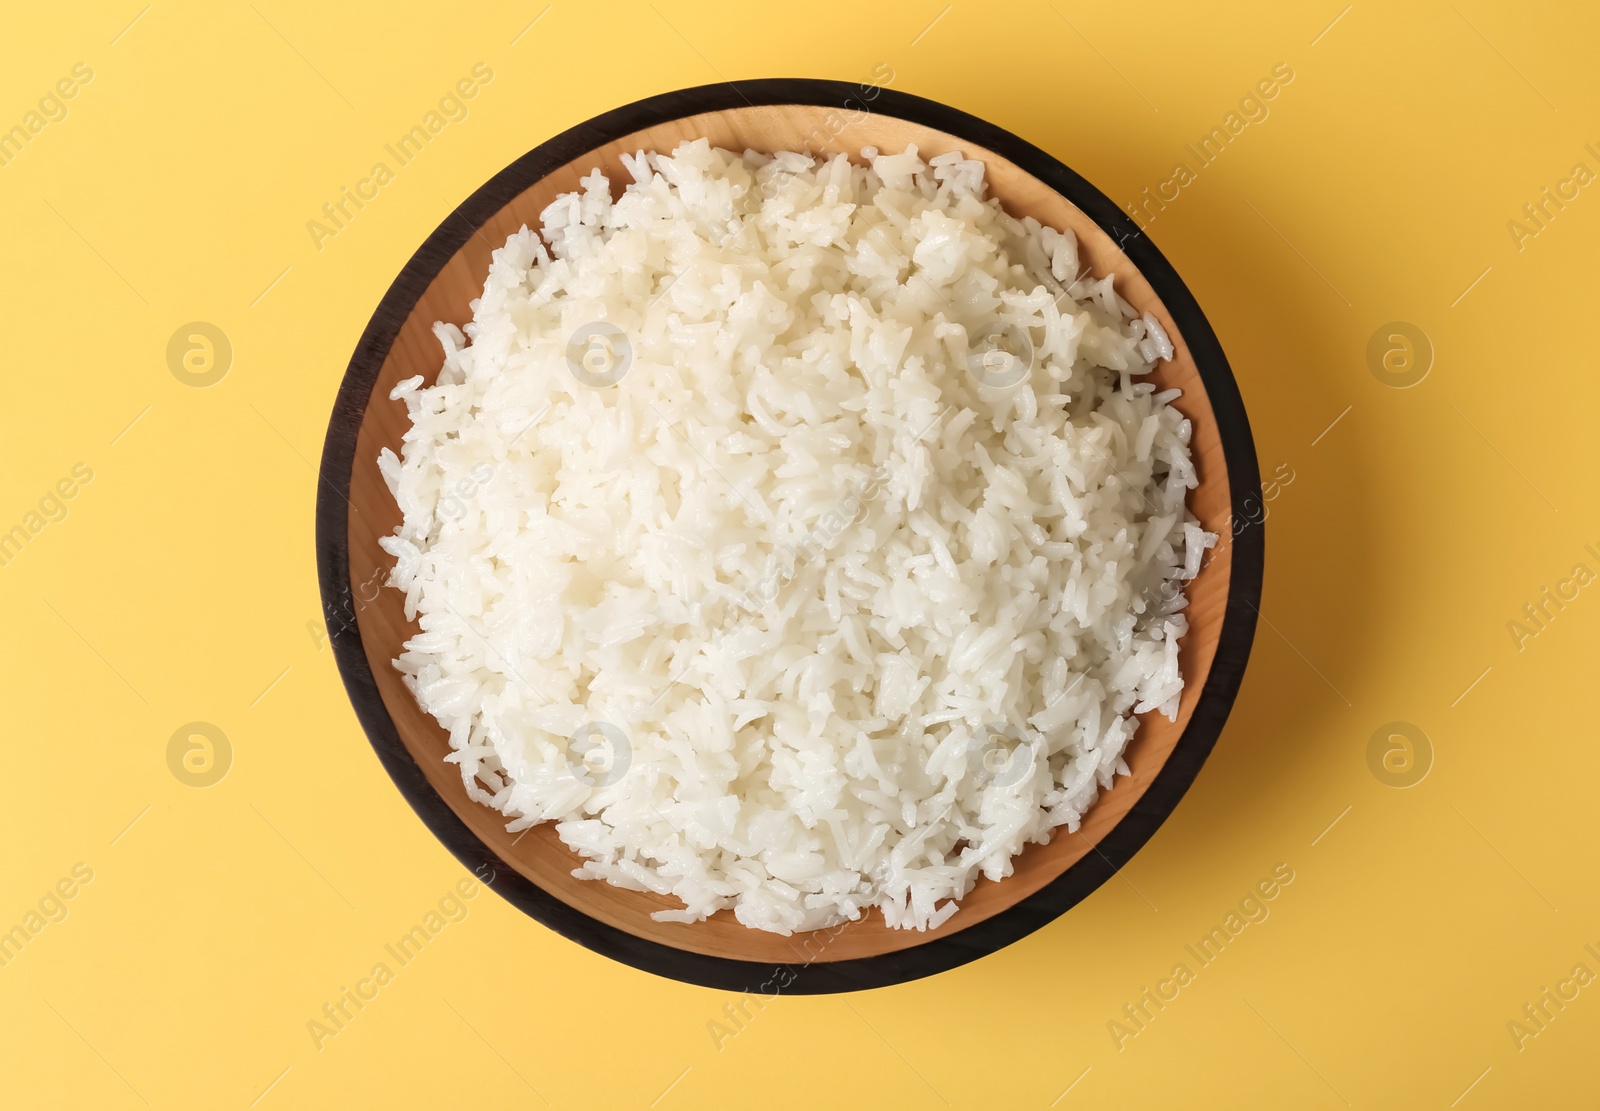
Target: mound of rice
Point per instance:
(796, 534)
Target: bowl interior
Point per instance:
(538, 854)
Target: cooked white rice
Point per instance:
(764, 596)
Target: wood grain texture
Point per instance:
(538, 855)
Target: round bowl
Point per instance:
(533, 871)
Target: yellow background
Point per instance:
(181, 587)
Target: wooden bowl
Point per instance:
(367, 625)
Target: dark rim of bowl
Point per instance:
(813, 977)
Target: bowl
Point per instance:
(367, 625)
